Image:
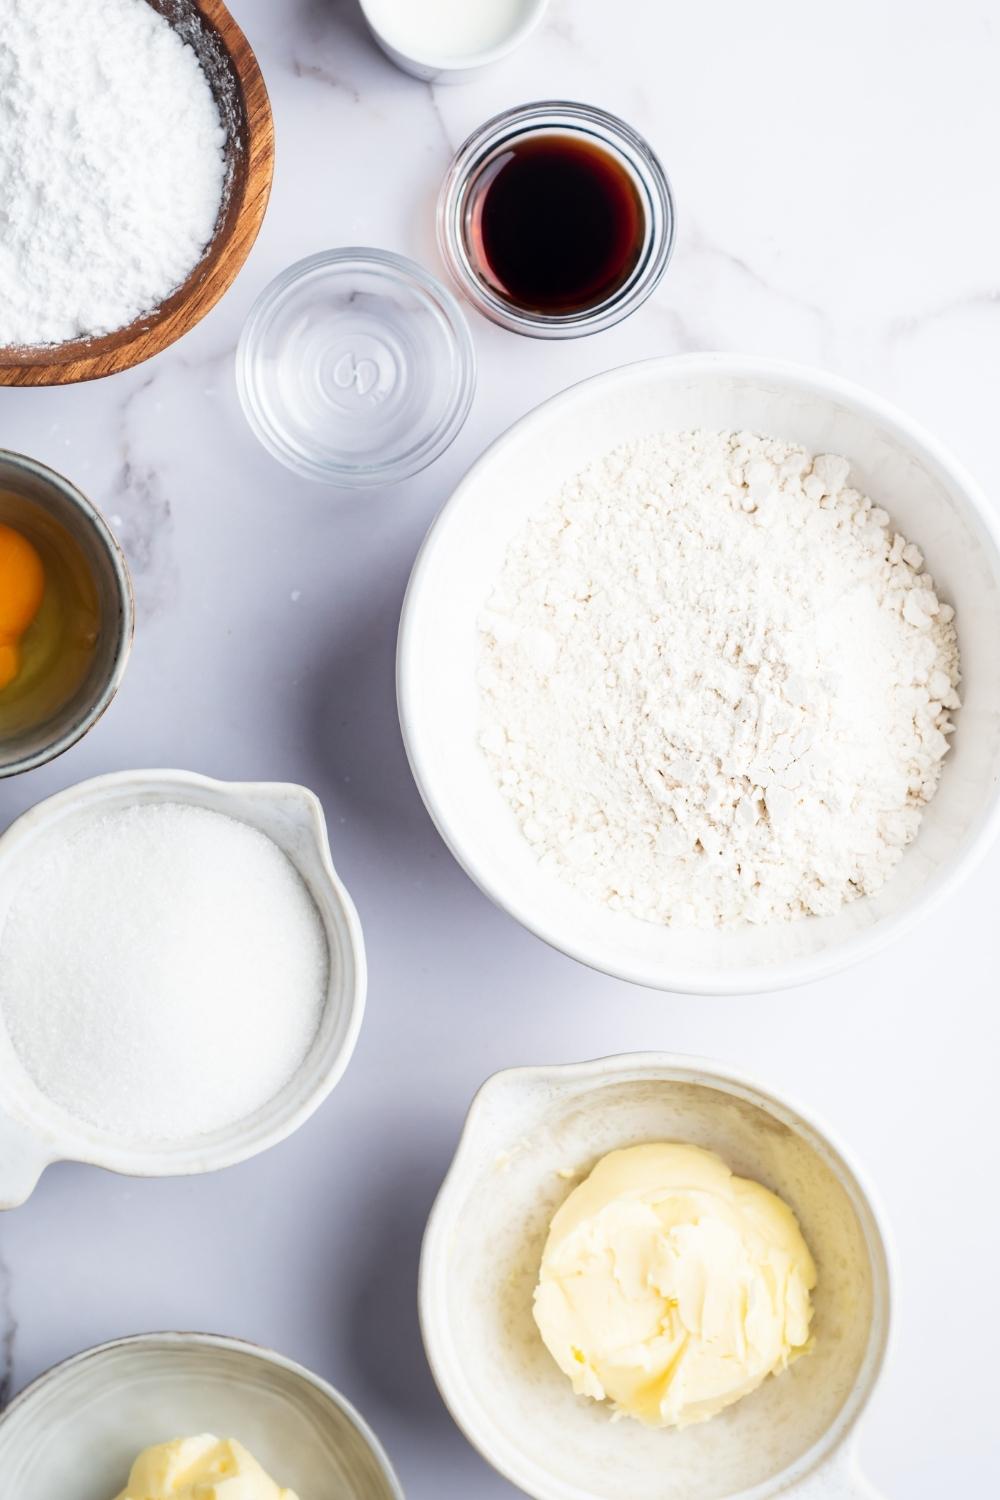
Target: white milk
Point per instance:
(447, 29)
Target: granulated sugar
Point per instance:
(112, 166)
(163, 970)
(716, 682)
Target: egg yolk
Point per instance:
(22, 584)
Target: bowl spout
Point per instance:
(23, 1159)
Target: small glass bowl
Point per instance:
(585, 123)
(356, 367)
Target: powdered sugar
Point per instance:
(716, 683)
(112, 166)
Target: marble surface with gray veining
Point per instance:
(834, 168)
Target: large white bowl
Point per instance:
(532, 1133)
(933, 501)
(35, 1131)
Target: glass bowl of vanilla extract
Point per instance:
(556, 219)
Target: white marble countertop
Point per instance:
(833, 168)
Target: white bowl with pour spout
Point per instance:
(34, 1131)
(531, 1134)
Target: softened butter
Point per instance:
(672, 1288)
(200, 1468)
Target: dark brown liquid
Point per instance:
(556, 224)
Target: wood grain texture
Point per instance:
(239, 87)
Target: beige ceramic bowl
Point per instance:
(531, 1133)
(74, 1433)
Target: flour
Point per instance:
(112, 166)
(716, 683)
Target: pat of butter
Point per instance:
(200, 1468)
(672, 1288)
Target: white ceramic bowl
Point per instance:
(530, 1128)
(78, 1428)
(35, 1132)
(926, 492)
(424, 61)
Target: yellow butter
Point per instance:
(671, 1288)
(200, 1468)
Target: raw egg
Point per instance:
(22, 585)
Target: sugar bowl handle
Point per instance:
(22, 1160)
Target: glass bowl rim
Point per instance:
(402, 271)
(614, 135)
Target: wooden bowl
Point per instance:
(238, 86)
